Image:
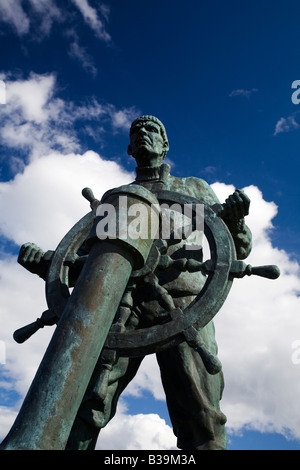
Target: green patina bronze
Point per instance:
(132, 298)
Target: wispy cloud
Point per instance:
(209, 170)
(91, 17)
(36, 18)
(47, 13)
(122, 119)
(12, 12)
(246, 93)
(41, 14)
(286, 125)
(80, 53)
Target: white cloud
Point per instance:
(44, 213)
(286, 125)
(37, 121)
(48, 13)
(136, 432)
(80, 53)
(122, 119)
(148, 377)
(7, 417)
(33, 120)
(243, 92)
(105, 11)
(255, 331)
(13, 13)
(41, 14)
(34, 19)
(31, 97)
(22, 301)
(21, 19)
(91, 17)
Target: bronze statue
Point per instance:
(168, 297)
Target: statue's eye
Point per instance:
(152, 129)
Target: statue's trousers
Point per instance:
(49, 409)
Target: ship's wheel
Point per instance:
(178, 325)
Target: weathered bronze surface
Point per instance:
(134, 297)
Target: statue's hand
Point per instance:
(236, 206)
(30, 257)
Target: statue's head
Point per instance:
(148, 140)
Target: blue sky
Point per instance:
(219, 75)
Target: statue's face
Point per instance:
(146, 142)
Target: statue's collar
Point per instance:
(147, 173)
(153, 175)
(157, 173)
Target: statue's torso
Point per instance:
(182, 286)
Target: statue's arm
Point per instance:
(35, 260)
(32, 258)
(242, 237)
(236, 207)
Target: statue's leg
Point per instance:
(97, 409)
(83, 435)
(193, 396)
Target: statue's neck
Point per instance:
(147, 173)
(153, 178)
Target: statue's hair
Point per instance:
(154, 119)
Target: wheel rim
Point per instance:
(162, 336)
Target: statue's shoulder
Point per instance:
(196, 187)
